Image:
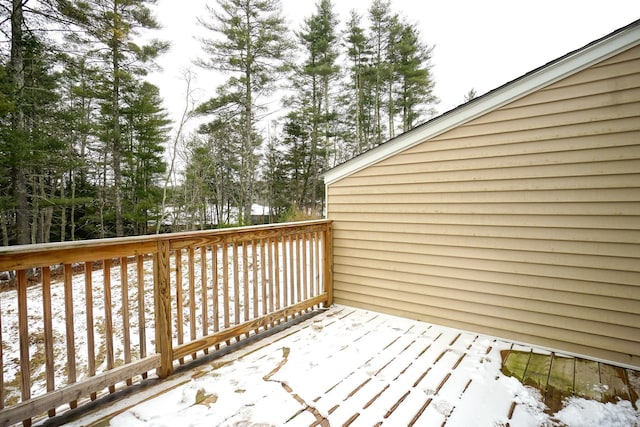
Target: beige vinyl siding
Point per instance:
(523, 223)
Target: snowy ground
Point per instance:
(10, 330)
(352, 366)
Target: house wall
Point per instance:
(523, 223)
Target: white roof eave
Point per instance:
(570, 64)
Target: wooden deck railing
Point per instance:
(79, 320)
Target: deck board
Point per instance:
(613, 379)
(633, 379)
(350, 367)
(561, 381)
(587, 379)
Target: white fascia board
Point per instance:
(529, 83)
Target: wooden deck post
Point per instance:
(328, 263)
(162, 298)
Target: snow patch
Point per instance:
(579, 412)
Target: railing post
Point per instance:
(162, 298)
(328, 263)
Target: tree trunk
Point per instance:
(63, 212)
(47, 212)
(314, 145)
(18, 173)
(117, 143)
(3, 227)
(73, 207)
(246, 199)
(391, 106)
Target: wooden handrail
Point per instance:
(197, 290)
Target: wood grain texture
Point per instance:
(37, 405)
(23, 326)
(162, 287)
(258, 253)
(245, 328)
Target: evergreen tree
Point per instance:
(276, 183)
(357, 94)
(30, 143)
(146, 128)
(113, 26)
(320, 47)
(251, 47)
(389, 86)
(412, 77)
(470, 95)
(16, 142)
(214, 166)
(79, 106)
(300, 160)
(382, 23)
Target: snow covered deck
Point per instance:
(348, 366)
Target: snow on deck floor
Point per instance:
(353, 367)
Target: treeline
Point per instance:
(83, 135)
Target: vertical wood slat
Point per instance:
(263, 276)
(192, 297)
(276, 262)
(162, 298)
(305, 281)
(270, 275)
(327, 262)
(316, 242)
(285, 278)
(205, 288)
(254, 270)
(91, 352)
(311, 262)
(236, 286)
(108, 318)
(124, 284)
(70, 329)
(23, 326)
(142, 330)
(245, 281)
(216, 290)
(298, 270)
(297, 267)
(225, 283)
(292, 280)
(179, 300)
(48, 333)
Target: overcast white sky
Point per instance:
(479, 44)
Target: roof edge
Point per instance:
(571, 63)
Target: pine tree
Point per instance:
(145, 128)
(251, 48)
(382, 21)
(276, 183)
(412, 76)
(357, 94)
(30, 140)
(320, 48)
(79, 105)
(213, 171)
(300, 159)
(17, 140)
(114, 26)
(470, 95)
